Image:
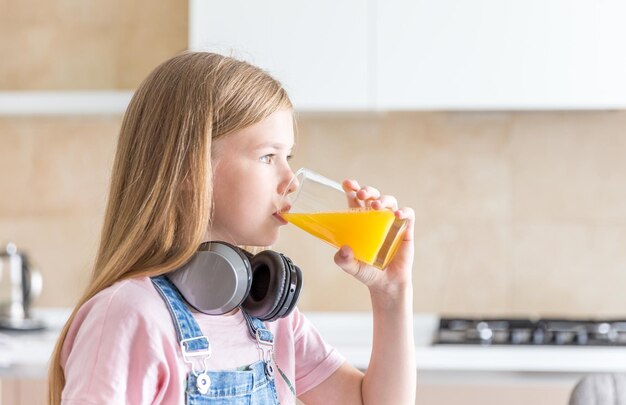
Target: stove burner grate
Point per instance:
(523, 331)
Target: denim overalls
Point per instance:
(252, 386)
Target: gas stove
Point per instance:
(521, 331)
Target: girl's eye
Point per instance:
(289, 157)
(267, 158)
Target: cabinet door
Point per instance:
(317, 49)
(485, 54)
(23, 391)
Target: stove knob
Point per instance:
(484, 332)
(519, 336)
(539, 337)
(582, 337)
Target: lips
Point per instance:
(279, 218)
(277, 215)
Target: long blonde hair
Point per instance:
(159, 204)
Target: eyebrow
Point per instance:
(274, 145)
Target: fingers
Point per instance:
(350, 187)
(385, 201)
(368, 193)
(344, 258)
(408, 214)
(367, 196)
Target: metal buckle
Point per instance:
(266, 348)
(266, 354)
(188, 356)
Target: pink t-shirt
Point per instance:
(122, 349)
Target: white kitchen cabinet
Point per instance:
(317, 49)
(74, 102)
(514, 389)
(485, 54)
(427, 54)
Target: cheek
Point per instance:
(230, 207)
(238, 204)
(226, 203)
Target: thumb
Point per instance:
(344, 258)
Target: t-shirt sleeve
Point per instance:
(316, 360)
(110, 357)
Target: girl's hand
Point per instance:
(397, 275)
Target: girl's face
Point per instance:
(250, 173)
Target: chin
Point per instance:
(270, 239)
(267, 239)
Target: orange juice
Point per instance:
(373, 235)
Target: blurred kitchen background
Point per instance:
(501, 123)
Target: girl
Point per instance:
(203, 156)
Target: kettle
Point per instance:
(20, 284)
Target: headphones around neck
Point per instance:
(221, 277)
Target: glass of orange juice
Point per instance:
(322, 208)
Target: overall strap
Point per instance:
(265, 343)
(192, 341)
(257, 329)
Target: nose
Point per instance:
(290, 184)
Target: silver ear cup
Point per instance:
(215, 281)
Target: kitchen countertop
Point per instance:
(339, 329)
(26, 354)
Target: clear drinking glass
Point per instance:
(322, 208)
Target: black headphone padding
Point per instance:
(292, 289)
(270, 281)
